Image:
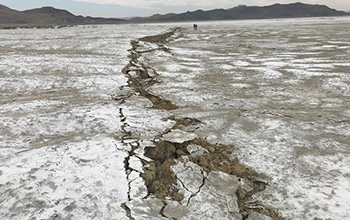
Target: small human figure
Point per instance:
(195, 26)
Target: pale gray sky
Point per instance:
(126, 8)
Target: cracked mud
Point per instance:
(172, 148)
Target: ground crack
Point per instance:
(133, 146)
(127, 210)
(138, 73)
(161, 212)
(128, 168)
(64, 153)
(199, 189)
(157, 174)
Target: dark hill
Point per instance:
(8, 15)
(250, 12)
(48, 16)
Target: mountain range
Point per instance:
(53, 16)
(48, 16)
(293, 10)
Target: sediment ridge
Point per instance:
(175, 164)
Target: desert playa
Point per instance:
(235, 120)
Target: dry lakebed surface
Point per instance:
(246, 120)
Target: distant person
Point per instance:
(195, 26)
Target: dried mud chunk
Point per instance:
(177, 136)
(154, 99)
(149, 173)
(218, 162)
(164, 169)
(196, 150)
(142, 74)
(240, 170)
(162, 151)
(163, 181)
(185, 122)
(241, 193)
(177, 196)
(180, 153)
(175, 210)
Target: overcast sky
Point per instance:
(129, 8)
